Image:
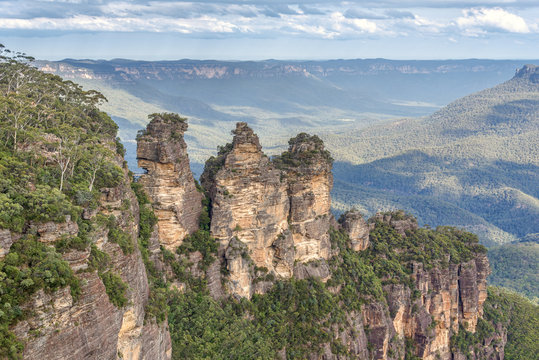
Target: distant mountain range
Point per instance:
(472, 163)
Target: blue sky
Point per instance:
(278, 29)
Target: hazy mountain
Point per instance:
(474, 163)
(516, 266)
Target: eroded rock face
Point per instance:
(6, 240)
(280, 210)
(162, 152)
(447, 297)
(308, 171)
(249, 204)
(357, 228)
(51, 231)
(92, 327)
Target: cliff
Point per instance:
(73, 281)
(92, 326)
(162, 152)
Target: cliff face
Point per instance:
(281, 214)
(249, 203)
(448, 297)
(162, 152)
(445, 299)
(357, 228)
(308, 170)
(92, 327)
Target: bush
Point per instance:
(11, 214)
(120, 237)
(49, 204)
(115, 288)
(29, 267)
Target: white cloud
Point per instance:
(481, 20)
(100, 23)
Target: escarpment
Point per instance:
(271, 221)
(109, 318)
(162, 152)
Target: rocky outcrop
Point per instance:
(279, 210)
(51, 231)
(6, 240)
(162, 152)
(420, 319)
(248, 201)
(307, 166)
(399, 220)
(357, 228)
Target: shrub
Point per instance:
(115, 287)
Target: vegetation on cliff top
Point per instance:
(57, 150)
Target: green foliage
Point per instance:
(431, 247)
(120, 237)
(516, 267)
(214, 164)
(469, 165)
(157, 300)
(11, 214)
(521, 318)
(354, 273)
(47, 204)
(202, 328)
(296, 314)
(203, 242)
(115, 287)
(98, 260)
(54, 144)
(300, 157)
(29, 267)
(168, 117)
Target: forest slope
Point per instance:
(474, 163)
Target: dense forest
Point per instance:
(472, 164)
(516, 266)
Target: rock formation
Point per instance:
(279, 209)
(162, 152)
(308, 172)
(272, 220)
(250, 206)
(357, 228)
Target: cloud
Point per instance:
(352, 19)
(362, 14)
(106, 24)
(308, 10)
(398, 14)
(480, 20)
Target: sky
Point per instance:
(271, 29)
